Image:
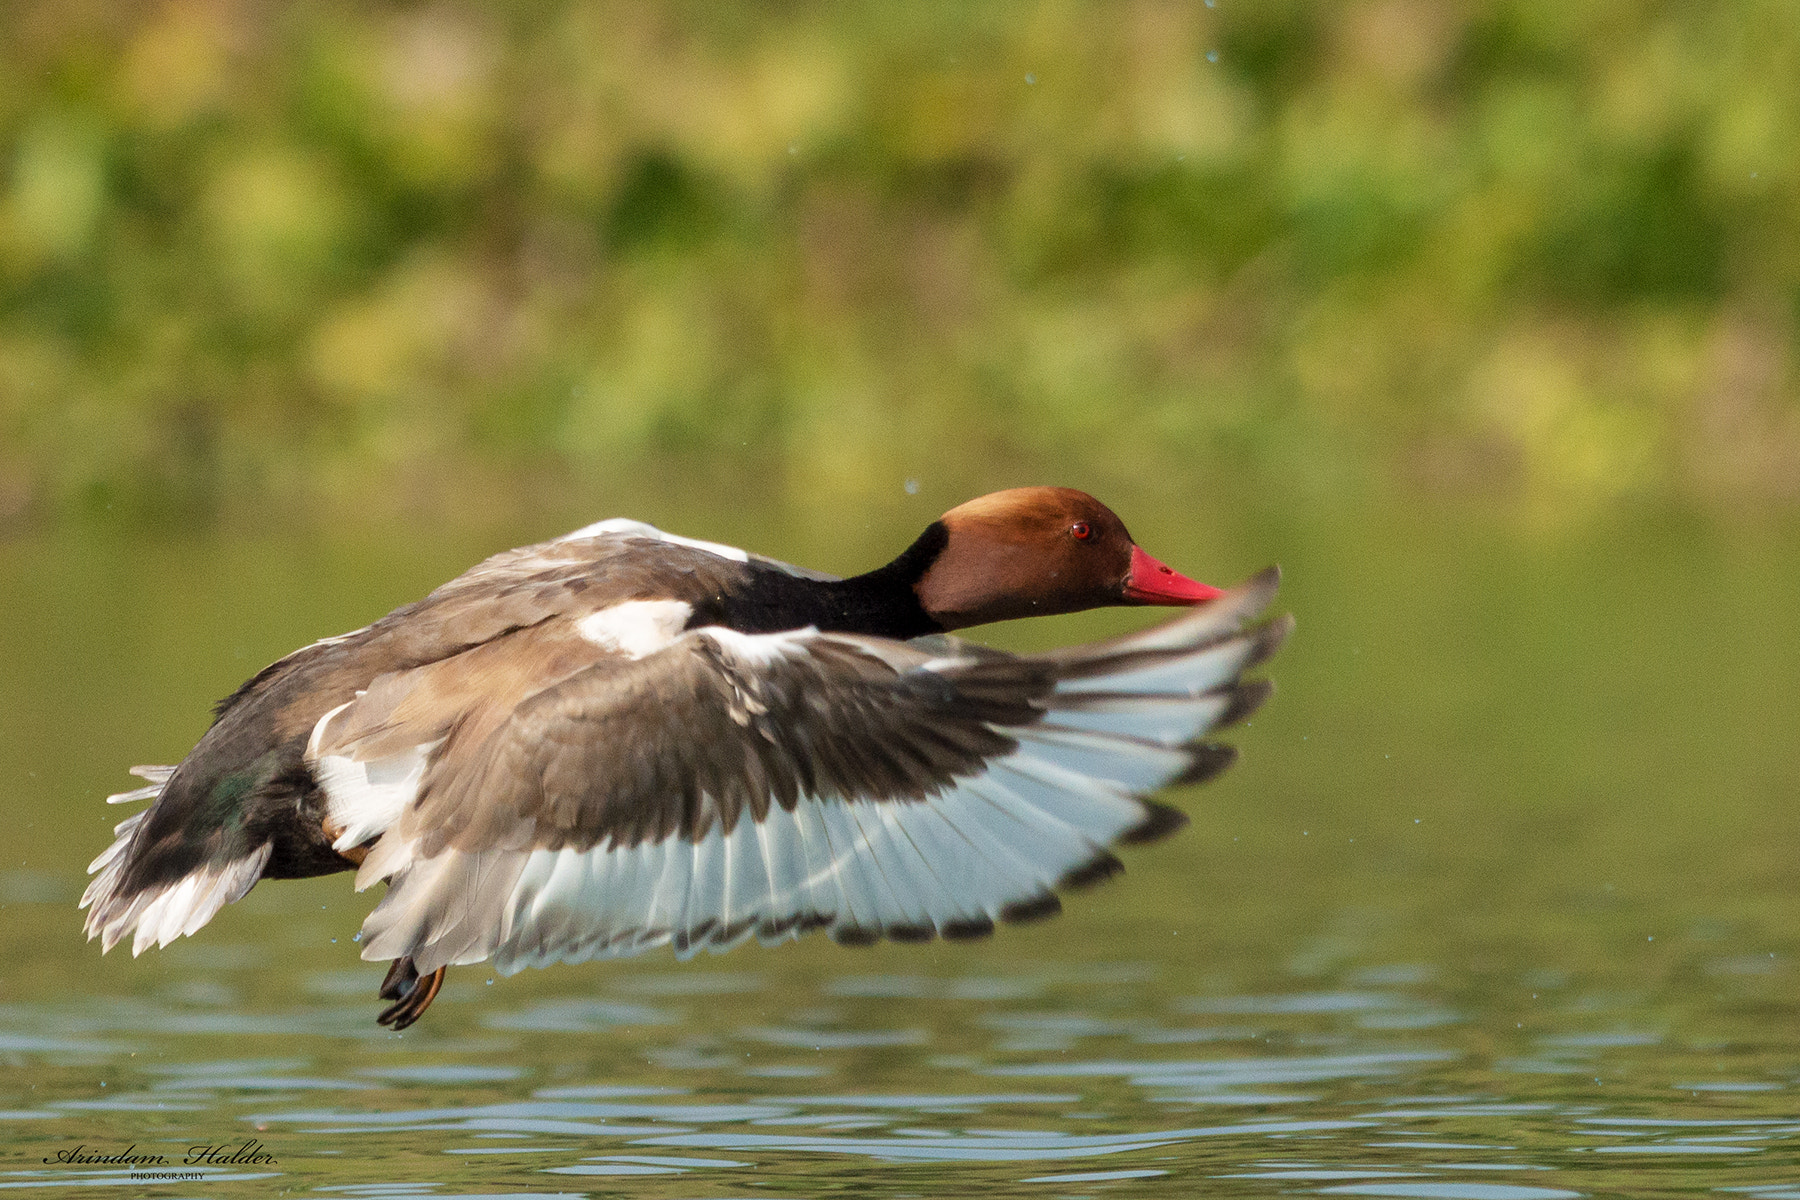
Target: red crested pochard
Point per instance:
(622, 739)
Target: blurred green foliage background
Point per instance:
(265, 259)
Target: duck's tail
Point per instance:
(159, 912)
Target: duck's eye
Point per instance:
(1081, 531)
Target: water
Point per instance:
(1500, 904)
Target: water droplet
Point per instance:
(357, 937)
(1031, 79)
(912, 487)
(1212, 56)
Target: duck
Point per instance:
(623, 739)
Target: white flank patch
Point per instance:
(386, 859)
(630, 528)
(760, 649)
(318, 734)
(363, 798)
(636, 628)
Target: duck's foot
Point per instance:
(411, 994)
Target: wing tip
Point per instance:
(1269, 577)
(1268, 639)
(1040, 907)
(1246, 600)
(961, 929)
(855, 935)
(1246, 698)
(1095, 871)
(967, 929)
(1208, 760)
(1160, 820)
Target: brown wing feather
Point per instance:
(673, 742)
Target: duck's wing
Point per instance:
(733, 784)
(462, 657)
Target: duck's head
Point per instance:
(1035, 551)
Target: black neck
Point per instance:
(881, 603)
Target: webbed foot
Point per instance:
(411, 994)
